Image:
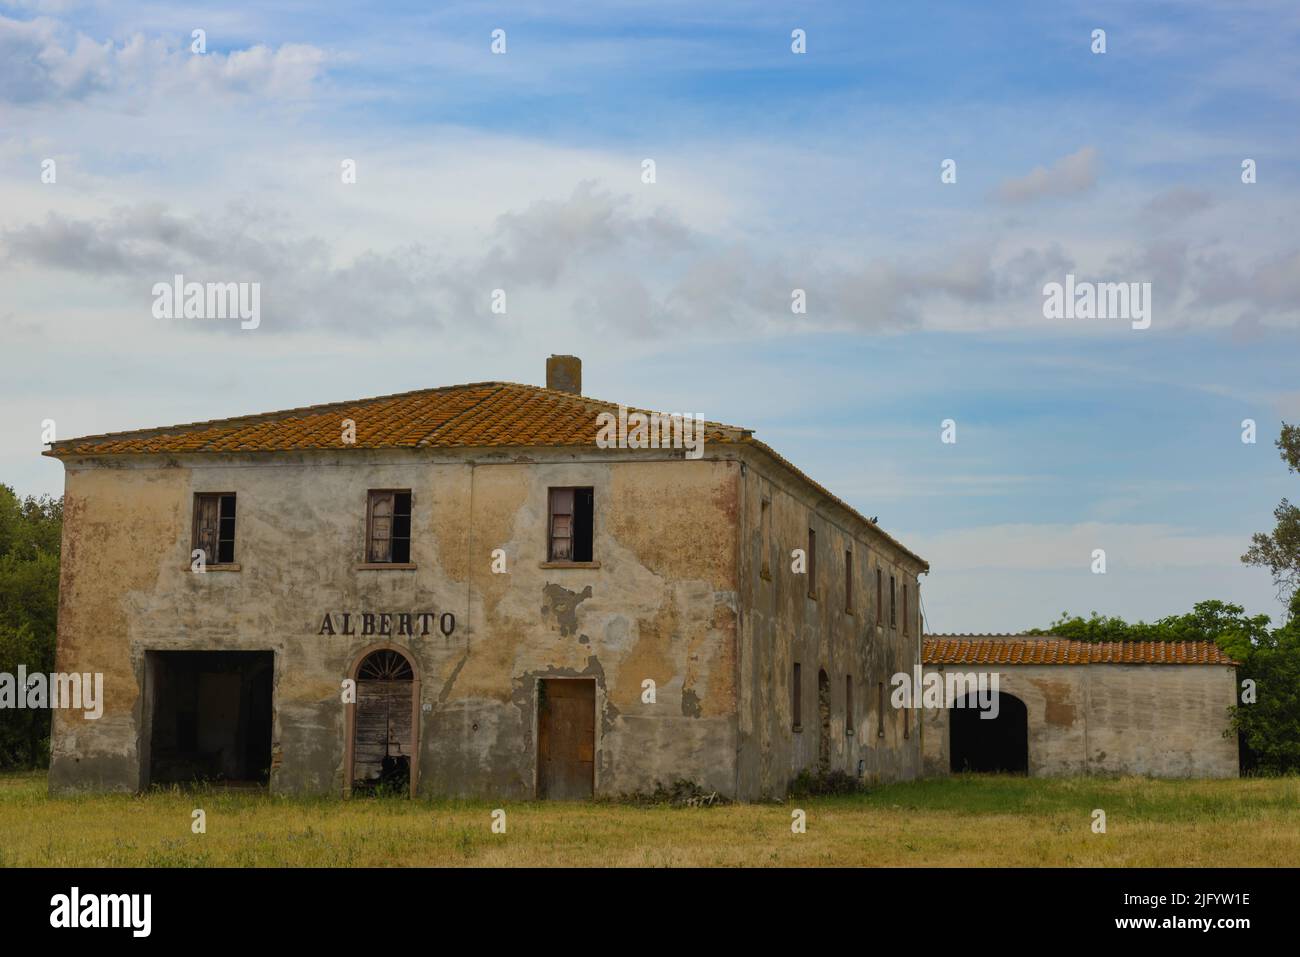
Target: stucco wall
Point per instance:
(662, 605)
(783, 625)
(1159, 720)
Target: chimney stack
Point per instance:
(564, 374)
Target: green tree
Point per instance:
(1279, 551)
(30, 534)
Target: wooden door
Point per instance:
(566, 738)
(383, 718)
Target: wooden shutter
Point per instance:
(561, 548)
(206, 525)
(381, 527)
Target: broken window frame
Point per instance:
(570, 525)
(216, 541)
(393, 548)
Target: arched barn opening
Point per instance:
(383, 741)
(989, 744)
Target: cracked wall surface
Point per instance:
(661, 604)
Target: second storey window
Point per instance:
(880, 598)
(571, 513)
(388, 527)
(905, 607)
(848, 581)
(812, 564)
(214, 527)
(893, 603)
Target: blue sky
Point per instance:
(774, 171)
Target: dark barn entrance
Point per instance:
(211, 716)
(989, 744)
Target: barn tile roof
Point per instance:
(476, 415)
(1047, 650)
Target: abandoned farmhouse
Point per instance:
(459, 591)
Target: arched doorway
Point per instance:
(824, 717)
(989, 744)
(384, 728)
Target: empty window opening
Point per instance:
(383, 724)
(905, 613)
(880, 598)
(812, 564)
(388, 527)
(848, 580)
(211, 717)
(796, 697)
(765, 539)
(893, 603)
(824, 718)
(998, 744)
(880, 709)
(571, 522)
(214, 527)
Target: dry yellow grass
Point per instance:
(974, 820)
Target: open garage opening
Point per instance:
(983, 744)
(211, 717)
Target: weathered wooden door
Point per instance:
(566, 738)
(383, 716)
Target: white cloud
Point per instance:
(1071, 174)
(43, 63)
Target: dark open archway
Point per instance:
(989, 744)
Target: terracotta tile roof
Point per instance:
(1046, 650)
(477, 415)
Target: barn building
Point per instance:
(461, 591)
(1072, 707)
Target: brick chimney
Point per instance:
(564, 373)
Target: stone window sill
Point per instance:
(568, 565)
(227, 567)
(386, 566)
(798, 728)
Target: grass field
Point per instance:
(972, 820)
